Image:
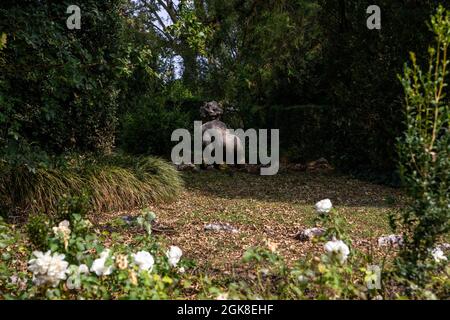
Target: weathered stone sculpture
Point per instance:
(211, 112)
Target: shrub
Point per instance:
(60, 88)
(38, 229)
(359, 67)
(148, 129)
(69, 205)
(424, 153)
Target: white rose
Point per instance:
(174, 255)
(323, 206)
(438, 255)
(98, 266)
(144, 260)
(338, 249)
(63, 227)
(84, 269)
(48, 269)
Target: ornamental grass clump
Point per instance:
(114, 182)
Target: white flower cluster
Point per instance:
(144, 261)
(323, 206)
(48, 269)
(337, 249)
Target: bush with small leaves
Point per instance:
(424, 155)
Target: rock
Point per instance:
(221, 227)
(391, 240)
(186, 167)
(320, 164)
(309, 234)
(299, 167)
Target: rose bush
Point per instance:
(77, 265)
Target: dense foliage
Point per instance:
(425, 150)
(59, 86)
(310, 68)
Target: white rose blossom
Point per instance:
(63, 227)
(98, 266)
(438, 255)
(174, 255)
(48, 269)
(83, 269)
(338, 249)
(144, 261)
(63, 230)
(323, 206)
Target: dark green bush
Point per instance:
(38, 230)
(359, 74)
(58, 87)
(148, 129)
(69, 205)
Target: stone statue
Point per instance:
(211, 112)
